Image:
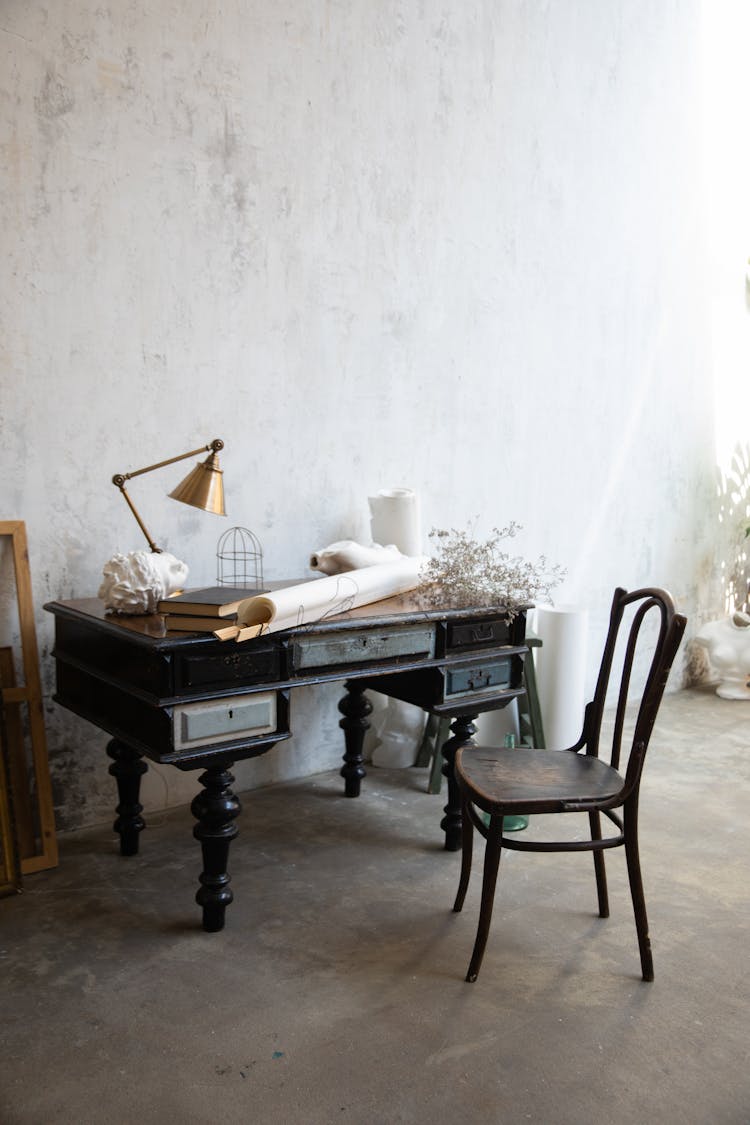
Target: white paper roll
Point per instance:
(400, 736)
(325, 597)
(395, 519)
(346, 555)
(494, 726)
(561, 672)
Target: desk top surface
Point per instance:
(151, 629)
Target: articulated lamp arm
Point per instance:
(202, 488)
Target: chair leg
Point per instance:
(599, 868)
(491, 864)
(630, 827)
(467, 848)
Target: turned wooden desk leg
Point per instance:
(463, 728)
(355, 707)
(127, 769)
(215, 808)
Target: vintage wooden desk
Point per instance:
(197, 703)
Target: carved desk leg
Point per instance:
(355, 707)
(127, 768)
(463, 728)
(215, 808)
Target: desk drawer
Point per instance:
(494, 631)
(359, 647)
(227, 665)
(223, 720)
(489, 675)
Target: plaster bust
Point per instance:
(135, 583)
(727, 643)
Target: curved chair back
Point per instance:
(637, 646)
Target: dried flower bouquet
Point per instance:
(469, 572)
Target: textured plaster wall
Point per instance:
(455, 246)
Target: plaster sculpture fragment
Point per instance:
(136, 582)
(727, 643)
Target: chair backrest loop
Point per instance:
(647, 603)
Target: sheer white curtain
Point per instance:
(726, 129)
(726, 125)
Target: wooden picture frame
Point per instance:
(10, 860)
(27, 786)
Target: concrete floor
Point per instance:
(336, 991)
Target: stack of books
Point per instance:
(204, 611)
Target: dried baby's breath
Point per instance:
(469, 572)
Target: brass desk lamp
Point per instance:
(202, 488)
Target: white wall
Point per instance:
(454, 245)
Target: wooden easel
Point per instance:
(37, 841)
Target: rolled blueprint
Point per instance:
(394, 518)
(560, 666)
(345, 555)
(325, 597)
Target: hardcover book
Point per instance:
(213, 601)
(193, 623)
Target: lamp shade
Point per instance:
(203, 487)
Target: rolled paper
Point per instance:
(395, 519)
(325, 597)
(560, 665)
(346, 555)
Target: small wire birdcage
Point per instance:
(239, 559)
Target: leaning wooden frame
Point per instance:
(27, 782)
(10, 861)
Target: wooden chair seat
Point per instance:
(526, 781)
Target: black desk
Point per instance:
(191, 701)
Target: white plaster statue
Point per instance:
(135, 583)
(728, 645)
(345, 555)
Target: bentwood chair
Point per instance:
(645, 632)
